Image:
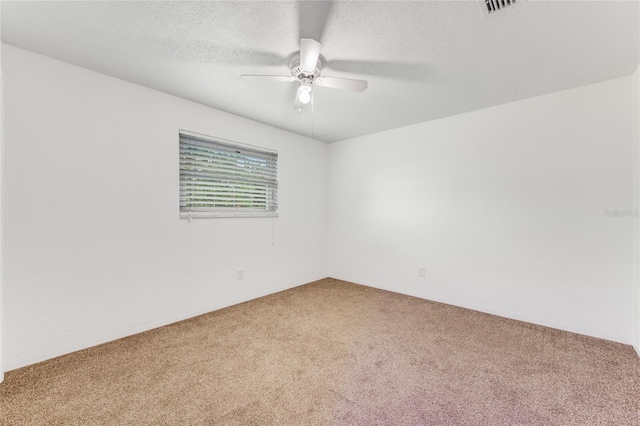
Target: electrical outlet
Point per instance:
(422, 272)
(240, 274)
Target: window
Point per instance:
(220, 178)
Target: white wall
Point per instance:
(635, 93)
(1, 196)
(94, 246)
(503, 206)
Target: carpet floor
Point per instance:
(334, 353)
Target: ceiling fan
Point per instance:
(306, 68)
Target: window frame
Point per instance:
(220, 212)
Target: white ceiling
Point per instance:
(423, 60)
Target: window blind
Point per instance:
(220, 178)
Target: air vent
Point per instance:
(494, 6)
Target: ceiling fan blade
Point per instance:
(279, 78)
(398, 70)
(342, 83)
(309, 54)
(313, 17)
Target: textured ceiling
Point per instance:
(423, 60)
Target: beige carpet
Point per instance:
(332, 352)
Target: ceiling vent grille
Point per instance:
(495, 5)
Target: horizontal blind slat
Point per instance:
(227, 178)
(193, 193)
(190, 150)
(211, 167)
(198, 159)
(216, 147)
(228, 209)
(226, 151)
(214, 185)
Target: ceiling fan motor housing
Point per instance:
(298, 73)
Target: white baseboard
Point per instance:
(637, 348)
(119, 334)
(546, 322)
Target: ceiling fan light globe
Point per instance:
(305, 96)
